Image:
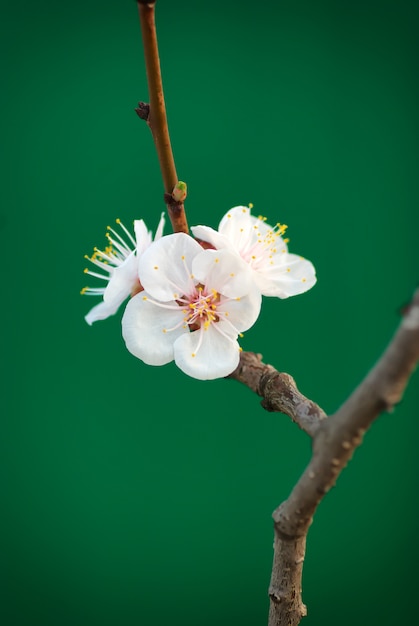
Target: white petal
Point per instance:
(290, 275)
(143, 329)
(216, 239)
(122, 281)
(224, 271)
(159, 230)
(142, 236)
(237, 225)
(165, 268)
(216, 357)
(101, 311)
(242, 313)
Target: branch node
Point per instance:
(174, 205)
(267, 383)
(143, 111)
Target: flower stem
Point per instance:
(156, 118)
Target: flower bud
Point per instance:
(179, 192)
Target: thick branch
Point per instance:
(155, 115)
(279, 391)
(334, 443)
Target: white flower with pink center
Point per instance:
(194, 306)
(119, 261)
(274, 270)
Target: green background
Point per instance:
(136, 495)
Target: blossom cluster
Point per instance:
(191, 298)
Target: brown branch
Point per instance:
(155, 115)
(279, 392)
(334, 443)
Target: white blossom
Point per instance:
(262, 247)
(194, 306)
(119, 262)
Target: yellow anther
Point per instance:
(237, 299)
(286, 240)
(288, 269)
(232, 274)
(244, 210)
(250, 205)
(241, 335)
(229, 215)
(304, 280)
(118, 221)
(253, 256)
(144, 297)
(156, 267)
(86, 270)
(213, 306)
(193, 354)
(83, 291)
(241, 230)
(192, 276)
(164, 330)
(217, 260)
(183, 257)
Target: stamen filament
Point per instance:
(97, 275)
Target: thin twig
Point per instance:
(156, 115)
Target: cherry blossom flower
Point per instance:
(194, 306)
(275, 271)
(119, 261)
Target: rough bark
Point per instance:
(335, 439)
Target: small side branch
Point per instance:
(155, 115)
(279, 392)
